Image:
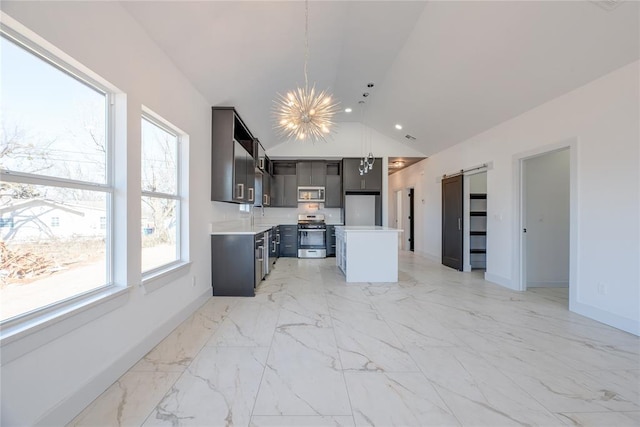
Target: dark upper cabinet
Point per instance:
(266, 189)
(333, 192)
(284, 186)
(311, 173)
(353, 181)
(232, 158)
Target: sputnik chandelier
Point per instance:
(305, 113)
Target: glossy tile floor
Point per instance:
(438, 348)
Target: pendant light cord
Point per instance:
(306, 41)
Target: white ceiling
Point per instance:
(444, 70)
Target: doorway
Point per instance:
(452, 211)
(411, 216)
(545, 218)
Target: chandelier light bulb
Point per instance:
(304, 113)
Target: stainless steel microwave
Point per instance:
(310, 194)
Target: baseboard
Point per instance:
(623, 323)
(499, 280)
(72, 405)
(548, 285)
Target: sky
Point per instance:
(51, 110)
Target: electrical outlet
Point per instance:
(193, 281)
(602, 288)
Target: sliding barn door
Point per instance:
(452, 222)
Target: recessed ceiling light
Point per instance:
(399, 127)
(348, 110)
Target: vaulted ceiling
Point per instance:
(444, 70)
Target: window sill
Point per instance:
(152, 281)
(23, 335)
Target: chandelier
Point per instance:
(305, 113)
(366, 161)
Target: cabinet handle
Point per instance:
(265, 199)
(459, 223)
(240, 191)
(250, 194)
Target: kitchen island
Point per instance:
(367, 253)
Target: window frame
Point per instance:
(29, 330)
(179, 261)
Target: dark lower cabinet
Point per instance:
(289, 241)
(274, 248)
(233, 264)
(331, 240)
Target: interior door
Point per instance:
(452, 199)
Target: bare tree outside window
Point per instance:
(161, 195)
(54, 189)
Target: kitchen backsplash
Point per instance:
(275, 216)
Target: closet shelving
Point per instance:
(478, 230)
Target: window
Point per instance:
(161, 194)
(55, 168)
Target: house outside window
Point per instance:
(161, 194)
(55, 170)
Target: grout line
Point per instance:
(266, 362)
(342, 370)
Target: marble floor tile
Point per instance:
(366, 343)
(477, 392)
(309, 309)
(601, 419)
(178, 349)
(560, 388)
(218, 388)
(128, 401)
(301, 420)
(439, 347)
(303, 375)
(396, 399)
(251, 323)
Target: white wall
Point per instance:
(602, 118)
(55, 381)
(546, 211)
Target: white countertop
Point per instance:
(367, 228)
(239, 229)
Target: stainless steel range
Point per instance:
(312, 236)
